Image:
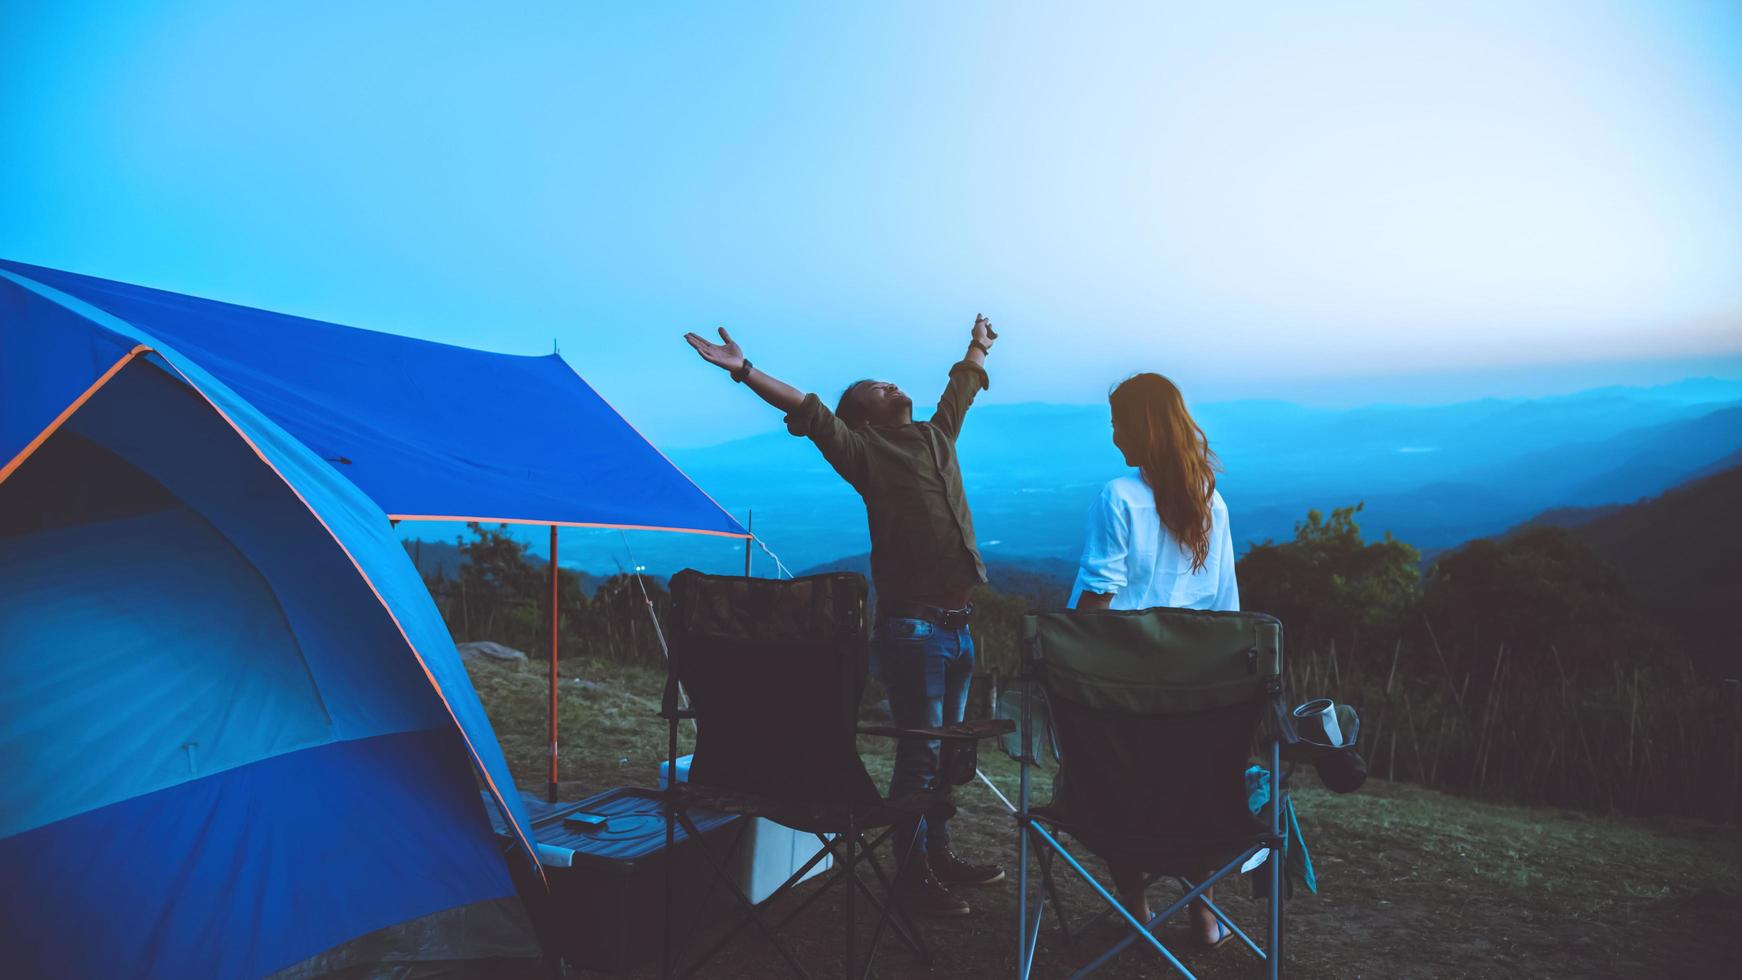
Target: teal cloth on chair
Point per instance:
(1300, 863)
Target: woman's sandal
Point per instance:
(1221, 941)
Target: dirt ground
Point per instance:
(1413, 883)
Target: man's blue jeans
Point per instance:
(926, 670)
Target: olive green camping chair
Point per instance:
(1154, 714)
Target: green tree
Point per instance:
(502, 593)
(618, 626)
(1328, 584)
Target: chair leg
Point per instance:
(1279, 844)
(1106, 913)
(1180, 904)
(1033, 933)
(905, 928)
(744, 919)
(1273, 958)
(714, 880)
(1024, 959)
(702, 911)
(673, 695)
(1058, 905)
(748, 907)
(877, 933)
(1024, 962)
(1028, 927)
(724, 941)
(889, 910)
(847, 903)
(665, 964)
(793, 880)
(1227, 921)
(830, 882)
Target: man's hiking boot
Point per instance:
(952, 870)
(919, 890)
(928, 896)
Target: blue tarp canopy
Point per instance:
(428, 431)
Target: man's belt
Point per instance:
(950, 619)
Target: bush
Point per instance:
(1328, 584)
(1535, 590)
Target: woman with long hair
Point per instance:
(1158, 536)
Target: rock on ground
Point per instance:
(492, 651)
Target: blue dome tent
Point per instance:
(237, 738)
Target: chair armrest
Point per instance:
(968, 731)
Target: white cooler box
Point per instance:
(768, 854)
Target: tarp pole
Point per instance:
(553, 668)
(750, 542)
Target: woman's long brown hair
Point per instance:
(1154, 428)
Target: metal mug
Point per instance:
(1320, 717)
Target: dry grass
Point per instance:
(1647, 739)
(1414, 883)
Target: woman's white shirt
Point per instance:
(1129, 553)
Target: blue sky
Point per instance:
(1319, 201)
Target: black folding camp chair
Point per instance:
(1154, 714)
(774, 672)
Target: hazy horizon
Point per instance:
(1421, 390)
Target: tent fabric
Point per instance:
(53, 358)
(252, 738)
(94, 713)
(426, 430)
(314, 583)
(254, 869)
(464, 941)
(349, 517)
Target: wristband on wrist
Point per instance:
(981, 347)
(742, 372)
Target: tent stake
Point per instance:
(553, 668)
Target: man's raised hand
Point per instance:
(727, 355)
(730, 356)
(984, 335)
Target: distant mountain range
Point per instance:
(1434, 476)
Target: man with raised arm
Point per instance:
(924, 565)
